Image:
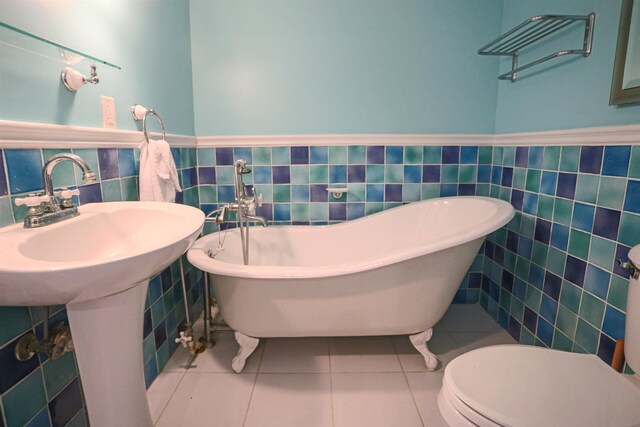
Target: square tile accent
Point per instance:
(616, 160)
(375, 154)
(24, 170)
(632, 199)
(108, 161)
(318, 155)
(591, 159)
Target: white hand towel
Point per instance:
(158, 174)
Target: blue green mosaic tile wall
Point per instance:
(45, 392)
(551, 276)
(293, 180)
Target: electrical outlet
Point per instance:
(108, 112)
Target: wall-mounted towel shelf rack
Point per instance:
(532, 30)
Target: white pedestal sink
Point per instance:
(99, 265)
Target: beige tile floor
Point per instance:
(305, 382)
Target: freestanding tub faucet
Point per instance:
(244, 207)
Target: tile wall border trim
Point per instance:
(344, 139)
(14, 134)
(604, 135)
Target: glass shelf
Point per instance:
(23, 40)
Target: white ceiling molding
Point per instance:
(29, 135)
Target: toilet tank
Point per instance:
(632, 329)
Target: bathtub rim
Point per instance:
(198, 257)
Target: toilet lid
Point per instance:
(518, 385)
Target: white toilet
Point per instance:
(517, 385)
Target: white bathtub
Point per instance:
(392, 273)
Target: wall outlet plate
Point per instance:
(108, 112)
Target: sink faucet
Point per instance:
(47, 209)
(87, 177)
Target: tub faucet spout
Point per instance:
(258, 219)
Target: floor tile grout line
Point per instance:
(333, 420)
(164, 408)
(406, 380)
(255, 381)
(413, 398)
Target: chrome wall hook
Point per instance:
(73, 80)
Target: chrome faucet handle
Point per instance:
(221, 216)
(253, 203)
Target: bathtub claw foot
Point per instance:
(419, 341)
(247, 346)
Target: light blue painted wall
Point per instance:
(148, 39)
(343, 66)
(574, 94)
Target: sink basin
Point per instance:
(121, 242)
(99, 265)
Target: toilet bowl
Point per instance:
(518, 385)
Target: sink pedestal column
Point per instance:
(107, 335)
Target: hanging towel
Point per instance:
(158, 174)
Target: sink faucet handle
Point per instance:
(65, 193)
(32, 200)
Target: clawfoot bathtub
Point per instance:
(391, 273)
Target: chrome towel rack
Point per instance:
(140, 112)
(534, 29)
